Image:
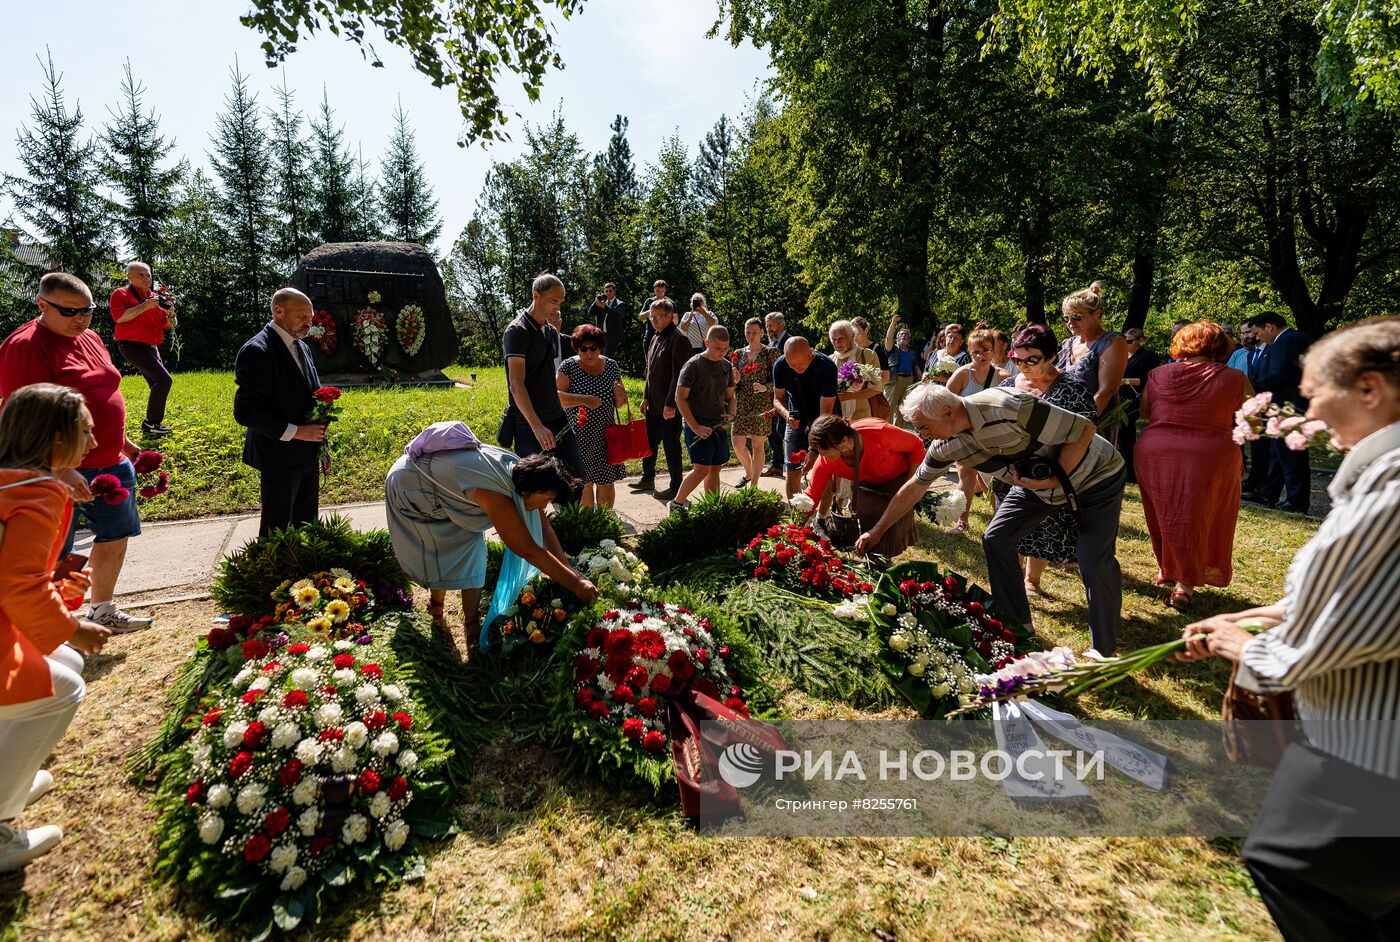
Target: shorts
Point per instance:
(108, 522)
(796, 440)
(707, 451)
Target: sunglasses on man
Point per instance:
(1032, 360)
(70, 311)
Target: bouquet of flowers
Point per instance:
(369, 331)
(301, 777)
(1260, 417)
(411, 328)
(323, 331)
(852, 376)
(109, 487)
(943, 367)
(331, 604)
(637, 659)
(323, 412)
(943, 508)
(751, 372)
(613, 569)
(539, 614)
(935, 632)
(241, 629)
(794, 556)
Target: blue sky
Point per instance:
(646, 59)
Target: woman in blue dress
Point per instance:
(441, 503)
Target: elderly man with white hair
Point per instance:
(1052, 458)
(140, 319)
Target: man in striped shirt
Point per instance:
(995, 430)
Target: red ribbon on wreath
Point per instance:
(693, 751)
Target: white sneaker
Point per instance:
(18, 846)
(109, 616)
(43, 781)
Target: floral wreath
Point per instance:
(412, 329)
(370, 332)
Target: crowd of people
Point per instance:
(1046, 428)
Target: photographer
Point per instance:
(697, 321)
(1052, 458)
(142, 318)
(607, 313)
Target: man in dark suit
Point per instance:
(1279, 370)
(277, 382)
(609, 314)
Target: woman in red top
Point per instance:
(140, 325)
(45, 430)
(1188, 467)
(887, 456)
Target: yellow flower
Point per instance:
(337, 611)
(301, 584)
(277, 592)
(319, 625)
(344, 585)
(307, 596)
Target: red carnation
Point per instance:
(638, 618)
(376, 720)
(975, 608)
(373, 670)
(369, 781)
(271, 666)
(725, 652)
(257, 848)
(298, 648)
(702, 656)
(637, 677)
(397, 788)
(993, 623)
(951, 583)
(329, 691)
(334, 734)
(619, 641)
(295, 698)
(254, 735)
(623, 694)
(584, 667)
(661, 685)
(582, 697)
(212, 717)
(632, 727)
(404, 720)
(276, 822)
(582, 416)
(219, 637)
(291, 773)
(647, 706)
(598, 710)
(255, 649)
(327, 394)
(319, 844)
(342, 661)
(595, 636)
(252, 697)
(653, 741)
(239, 764)
(195, 792)
(737, 705)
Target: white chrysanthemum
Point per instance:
(343, 676)
(343, 761)
(396, 834)
(308, 821)
(283, 856)
(260, 683)
(355, 829)
(365, 694)
(211, 828)
(284, 735)
(908, 621)
(392, 693)
(329, 714)
(356, 734)
(339, 573)
(305, 791)
(303, 678)
(379, 806)
(309, 751)
(242, 677)
(294, 879)
(233, 735)
(385, 744)
(607, 546)
(269, 715)
(344, 645)
(408, 760)
(219, 796)
(201, 753)
(316, 654)
(252, 797)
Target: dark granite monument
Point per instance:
(339, 278)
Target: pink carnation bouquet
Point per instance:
(1261, 417)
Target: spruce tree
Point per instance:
(333, 206)
(57, 196)
(132, 152)
(293, 194)
(243, 165)
(365, 224)
(406, 200)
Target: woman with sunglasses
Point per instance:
(1033, 354)
(1093, 355)
(589, 373)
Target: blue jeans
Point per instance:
(108, 522)
(565, 446)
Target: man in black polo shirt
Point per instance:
(804, 387)
(535, 419)
(777, 336)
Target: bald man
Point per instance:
(140, 319)
(804, 387)
(277, 380)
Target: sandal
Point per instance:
(960, 528)
(1033, 591)
(1160, 579)
(438, 615)
(1179, 600)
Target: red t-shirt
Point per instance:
(35, 354)
(887, 452)
(144, 328)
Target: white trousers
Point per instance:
(29, 731)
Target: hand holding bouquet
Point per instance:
(1259, 418)
(324, 412)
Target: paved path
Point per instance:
(176, 560)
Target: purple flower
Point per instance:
(848, 371)
(363, 639)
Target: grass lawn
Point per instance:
(544, 855)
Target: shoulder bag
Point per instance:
(626, 440)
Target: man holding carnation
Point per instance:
(59, 347)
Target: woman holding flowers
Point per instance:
(45, 431)
(442, 503)
(855, 401)
(1188, 466)
(753, 396)
(1324, 849)
(589, 373)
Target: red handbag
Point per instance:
(626, 440)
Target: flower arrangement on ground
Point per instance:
(1261, 417)
(853, 377)
(613, 569)
(935, 633)
(411, 328)
(539, 615)
(369, 331)
(331, 604)
(305, 774)
(795, 557)
(323, 331)
(943, 508)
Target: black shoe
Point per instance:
(1292, 508)
(645, 484)
(155, 431)
(1249, 497)
(666, 495)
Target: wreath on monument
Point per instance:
(370, 332)
(411, 328)
(323, 331)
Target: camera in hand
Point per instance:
(695, 304)
(1035, 468)
(164, 297)
(600, 296)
